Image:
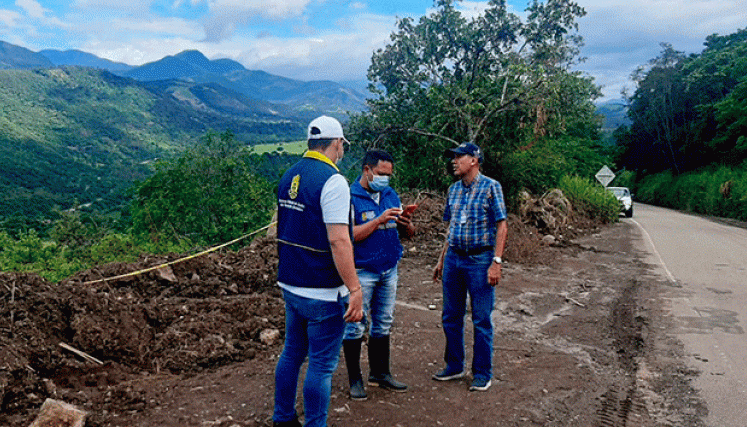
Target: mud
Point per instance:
(581, 340)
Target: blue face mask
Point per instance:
(379, 182)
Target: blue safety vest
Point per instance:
(305, 256)
(381, 250)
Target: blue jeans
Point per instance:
(464, 274)
(313, 328)
(379, 293)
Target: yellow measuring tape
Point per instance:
(207, 251)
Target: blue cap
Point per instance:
(468, 148)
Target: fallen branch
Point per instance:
(86, 356)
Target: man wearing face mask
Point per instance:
(316, 272)
(378, 223)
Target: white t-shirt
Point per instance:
(335, 201)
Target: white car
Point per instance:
(625, 198)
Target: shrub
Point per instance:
(719, 191)
(625, 179)
(541, 167)
(590, 198)
(208, 196)
(656, 189)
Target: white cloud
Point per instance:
(330, 56)
(621, 35)
(470, 9)
(138, 52)
(276, 9)
(159, 26)
(122, 5)
(9, 18)
(227, 15)
(32, 8)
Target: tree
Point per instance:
(660, 111)
(492, 79)
(687, 111)
(207, 195)
(717, 78)
(731, 115)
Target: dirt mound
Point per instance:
(206, 312)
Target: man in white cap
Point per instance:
(316, 272)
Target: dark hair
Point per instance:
(322, 143)
(373, 157)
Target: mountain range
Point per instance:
(75, 128)
(193, 67)
(12, 56)
(84, 59)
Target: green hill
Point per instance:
(85, 135)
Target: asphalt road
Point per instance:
(705, 263)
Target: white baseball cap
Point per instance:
(325, 127)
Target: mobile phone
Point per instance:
(409, 209)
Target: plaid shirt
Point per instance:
(473, 211)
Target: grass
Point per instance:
(593, 199)
(297, 147)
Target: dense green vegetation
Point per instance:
(494, 80)
(78, 135)
(590, 198)
(207, 196)
(688, 136)
(714, 190)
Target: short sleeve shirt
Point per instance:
(473, 211)
(335, 200)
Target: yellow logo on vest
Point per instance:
(293, 192)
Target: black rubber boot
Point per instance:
(378, 360)
(352, 351)
(291, 423)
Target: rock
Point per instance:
(269, 336)
(166, 273)
(55, 413)
(549, 239)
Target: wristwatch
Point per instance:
(497, 260)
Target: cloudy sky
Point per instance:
(334, 39)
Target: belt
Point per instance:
(472, 251)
